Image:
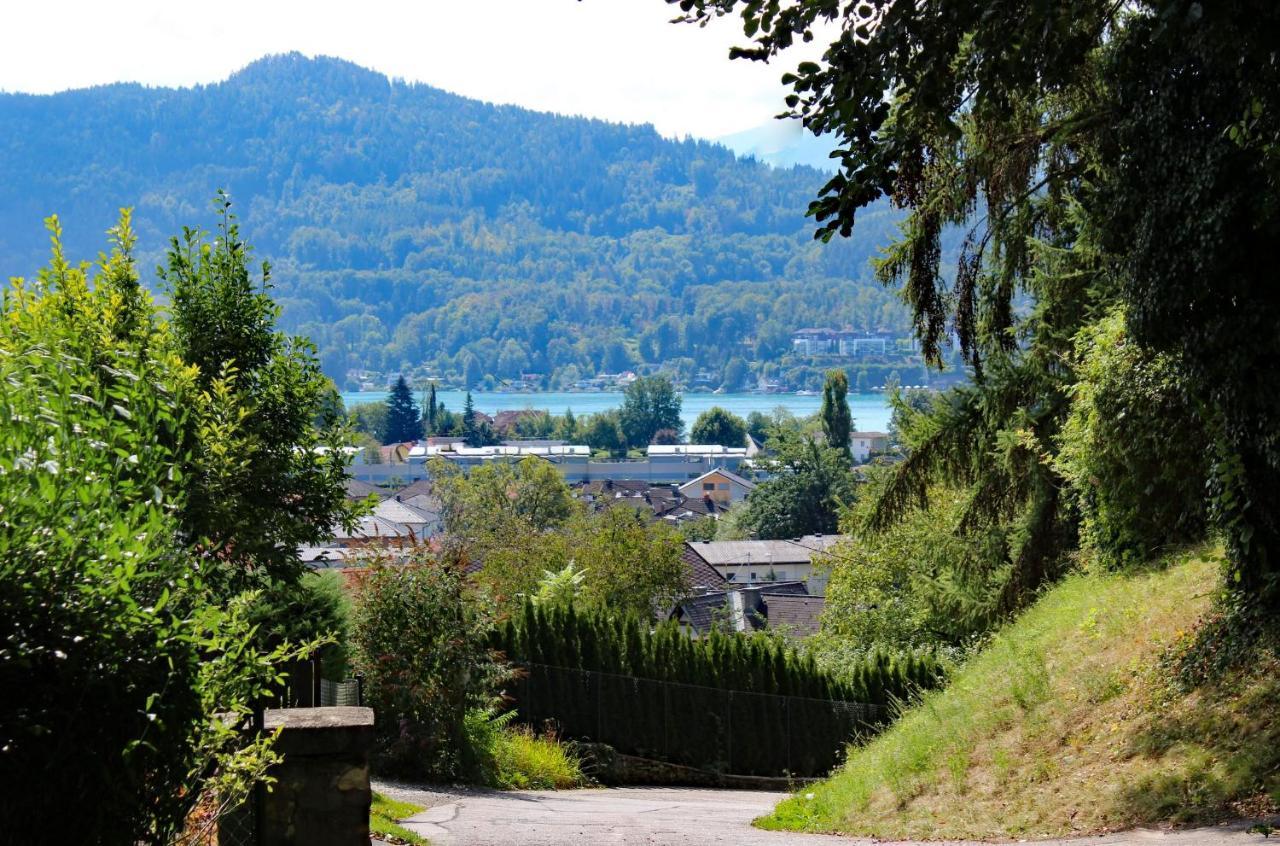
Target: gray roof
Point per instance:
(799, 614)
(402, 512)
(797, 551)
(358, 490)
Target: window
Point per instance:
(708, 486)
(724, 486)
(753, 577)
(730, 577)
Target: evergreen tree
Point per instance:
(402, 415)
(470, 433)
(837, 421)
(430, 412)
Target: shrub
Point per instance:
(1136, 460)
(120, 667)
(511, 757)
(421, 638)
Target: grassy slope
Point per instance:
(1067, 723)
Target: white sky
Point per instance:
(615, 59)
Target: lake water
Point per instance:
(870, 411)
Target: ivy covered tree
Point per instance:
(403, 423)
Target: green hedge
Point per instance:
(735, 703)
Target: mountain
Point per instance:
(782, 143)
(413, 229)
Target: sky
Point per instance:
(619, 60)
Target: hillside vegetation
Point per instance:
(1070, 721)
(412, 227)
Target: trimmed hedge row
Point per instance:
(737, 703)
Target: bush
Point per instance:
(421, 638)
(1136, 459)
(315, 608)
(119, 666)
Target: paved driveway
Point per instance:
(660, 816)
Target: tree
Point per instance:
(807, 487)
(265, 479)
(837, 420)
(430, 412)
(649, 403)
(631, 566)
(735, 373)
(470, 431)
(603, 431)
(106, 596)
(403, 421)
(717, 426)
(1074, 129)
(530, 490)
(758, 426)
(566, 428)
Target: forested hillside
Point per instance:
(412, 228)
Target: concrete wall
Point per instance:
(321, 796)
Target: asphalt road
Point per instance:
(660, 816)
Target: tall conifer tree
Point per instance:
(837, 420)
(402, 415)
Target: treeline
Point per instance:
(415, 229)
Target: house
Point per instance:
(755, 561)
(786, 606)
(866, 444)
(722, 486)
(358, 491)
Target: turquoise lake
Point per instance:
(870, 411)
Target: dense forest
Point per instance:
(412, 229)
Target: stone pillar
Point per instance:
(321, 795)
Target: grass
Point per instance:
(1069, 722)
(384, 817)
(524, 761)
(507, 756)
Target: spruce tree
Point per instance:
(837, 420)
(402, 415)
(470, 433)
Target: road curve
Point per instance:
(665, 816)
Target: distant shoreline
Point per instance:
(871, 412)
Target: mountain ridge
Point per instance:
(415, 229)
